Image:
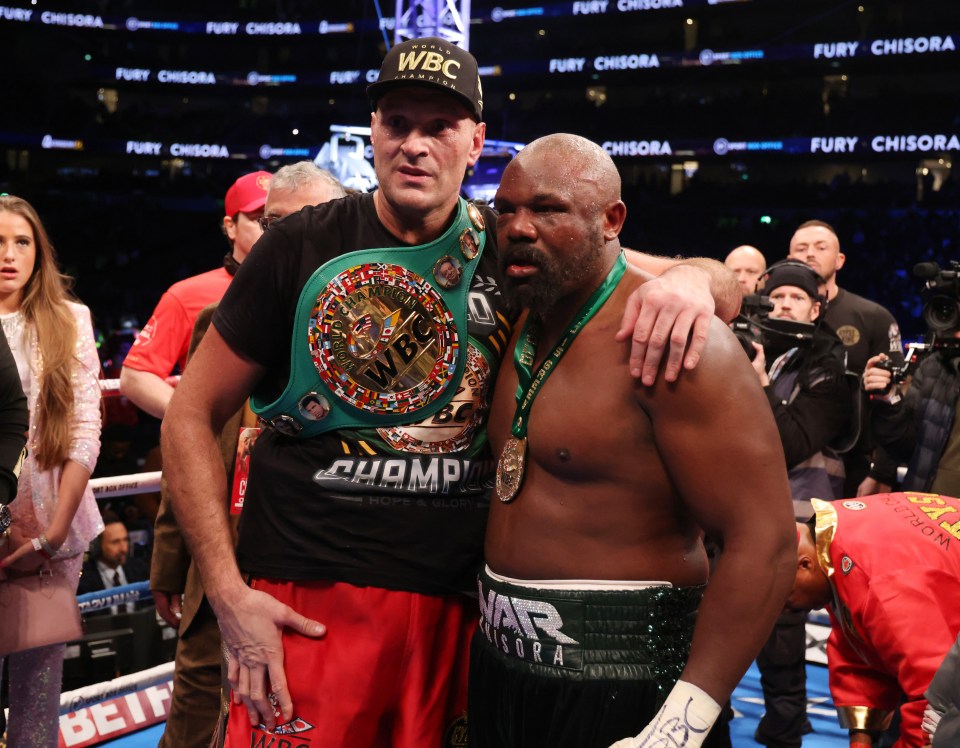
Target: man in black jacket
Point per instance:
(866, 329)
(920, 428)
(801, 368)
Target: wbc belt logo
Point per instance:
(383, 339)
(451, 428)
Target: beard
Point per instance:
(555, 278)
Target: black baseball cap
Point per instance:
(792, 273)
(431, 61)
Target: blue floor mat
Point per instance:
(144, 739)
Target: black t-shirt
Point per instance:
(400, 507)
(866, 329)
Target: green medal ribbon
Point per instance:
(524, 355)
(512, 463)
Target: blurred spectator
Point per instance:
(748, 263)
(117, 455)
(921, 428)
(162, 343)
(109, 563)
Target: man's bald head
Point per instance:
(572, 160)
(748, 263)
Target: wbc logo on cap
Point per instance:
(428, 62)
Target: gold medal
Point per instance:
(513, 460)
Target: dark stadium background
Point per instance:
(127, 225)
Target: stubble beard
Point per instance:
(555, 278)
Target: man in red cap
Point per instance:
(888, 567)
(163, 342)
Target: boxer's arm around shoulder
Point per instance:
(722, 281)
(204, 400)
(671, 313)
(719, 442)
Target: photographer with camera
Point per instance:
(921, 428)
(800, 363)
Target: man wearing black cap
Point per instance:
(801, 368)
(370, 518)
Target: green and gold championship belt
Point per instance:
(380, 335)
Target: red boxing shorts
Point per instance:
(391, 670)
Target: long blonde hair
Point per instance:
(44, 304)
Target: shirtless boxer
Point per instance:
(596, 565)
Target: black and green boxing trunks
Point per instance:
(574, 666)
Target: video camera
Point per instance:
(916, 352)
(941, 296)
(745, 327)
(941, 313)
(913, 356)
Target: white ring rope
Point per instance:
(125, 485)
(71, 701)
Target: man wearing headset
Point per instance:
(801, 367)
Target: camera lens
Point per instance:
(942, 313)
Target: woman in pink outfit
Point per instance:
(55, 515)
